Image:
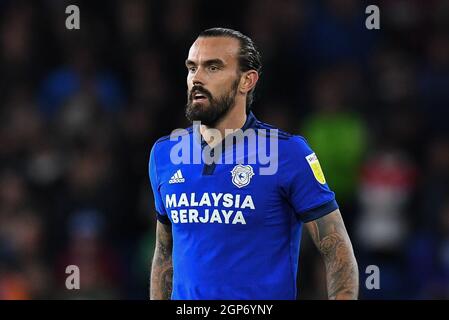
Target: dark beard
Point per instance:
(211, 114)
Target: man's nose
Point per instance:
(198, 77)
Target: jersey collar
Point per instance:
(249, 123)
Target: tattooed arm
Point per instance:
(162, 266)
(330, 236)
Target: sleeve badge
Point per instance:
(316, 168)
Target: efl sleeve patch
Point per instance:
(316, 168)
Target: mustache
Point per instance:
(199, 89)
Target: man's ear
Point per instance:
(248, 81)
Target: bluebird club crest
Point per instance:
(241, 175)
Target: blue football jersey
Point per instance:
(236, 231)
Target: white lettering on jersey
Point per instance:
(183, 215)
(174, 216)
(205, 201)
(193, 215)
(217, 216)
(227, 200)
(183, 200)
(170, 200)
(216, 197)
(226, 215)
(248, 203)
(211, 203)
(193, 203)
(205, 218)
(238, 218)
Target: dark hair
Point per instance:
(249, 56)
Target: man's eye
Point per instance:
(213, 68)
(191, 69)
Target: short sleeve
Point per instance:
(303, 182)
(154, 180)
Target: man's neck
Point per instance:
(234, 120)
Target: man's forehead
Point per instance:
(207, 48)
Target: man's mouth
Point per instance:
(198, 96)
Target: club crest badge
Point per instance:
(241, 175)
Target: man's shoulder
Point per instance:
(272, 130)
(166, 141)
(286, 139)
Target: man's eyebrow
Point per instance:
(214, 61)
(206, 63)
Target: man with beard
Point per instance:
(226, 231)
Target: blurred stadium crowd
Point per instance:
(80, 110)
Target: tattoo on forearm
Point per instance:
(167, 282)
(162, 267)
(330, 236)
